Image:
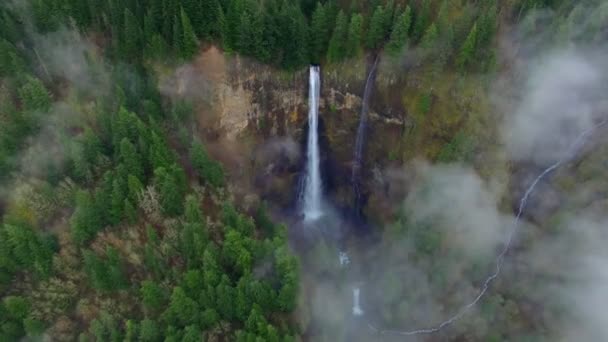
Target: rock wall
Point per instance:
(254, 119)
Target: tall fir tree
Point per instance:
(355, 34)
(467, 51)
(400, 32)
(319, 28)
(189, 45)
(337, 45)
(132, 38)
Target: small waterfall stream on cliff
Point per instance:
(361, 130)
(312, 181)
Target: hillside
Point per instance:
(156, 158)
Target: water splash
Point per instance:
(572, 152)
(344, 259)
(313, 185)
(360, 141)
(357, 311)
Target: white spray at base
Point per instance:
(312, 181)
(573, 151)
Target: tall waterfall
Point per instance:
(312, 182)
(361, 130)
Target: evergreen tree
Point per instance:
(149, 331)
(34, 96)
(130, 212)
(10, 61)
(422, 20)
(182, 308)
(152, 295)
(177, 39)
(337, 45)
(319, 33)
(355, 31)
(86, 221)
(294, 37)
(132, 39)
(170, 184)
(430, 37)
(189, 45)
(376, 32)
(117, 202)
(130, 159)
(233, 21)
(467, 51)
(400, 32)
(207, 169)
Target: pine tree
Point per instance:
(422, 19)
(319, 33)
(430, 37)
(337, 44)
(171, 190)
(130, 212)
(467, 51)
(177, 39)
(189, 45)
(400, 32)
(210, 19)
(192, 334)
(117, 202)
(10, 61)
(355, 32)
(149, 331)
(183, 308)
(207, 169)
(86, 221)
(294, 37)
(132, 39)
(233, 20)
(152, 295)
(194, 9)
(376, 32)
(34, 96)
(130, 159)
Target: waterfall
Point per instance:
(361, 130)
(312, 182)
(498, 262)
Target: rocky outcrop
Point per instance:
(260, 114)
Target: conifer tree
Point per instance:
(117, 202)
(355, 32)
(430, 37)
(132, 39)
(337, 44)
(400, 32)
(10, 61)
(34, 96)
(319, 32)
(467, 51)
(189, 45)
(422, 19)
(85, 221)
(130, 159)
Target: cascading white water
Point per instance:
(313, 186)
(357, 311)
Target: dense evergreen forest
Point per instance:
(117, 225)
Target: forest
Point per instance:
(117, 222)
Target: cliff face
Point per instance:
(254, 119)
